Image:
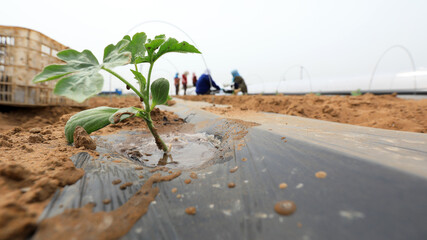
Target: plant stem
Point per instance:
(123, 80)
(159, 142)
(148, 81)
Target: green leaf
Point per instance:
(96, 118)
(152, 45)
(145, 59)
(76, 62)
(159, 91)
(140, 78)
(117, 55)
(80, 86)
(172, 45)
(136, 45)
(53, 72)
(79, 78)
(77, 59)
(91, 120)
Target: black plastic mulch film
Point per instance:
(357, 200)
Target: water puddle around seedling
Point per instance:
(187, 150)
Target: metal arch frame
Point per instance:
(382, 56)
(302, 69)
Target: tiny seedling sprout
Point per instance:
(80, 79)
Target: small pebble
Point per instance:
(283, 185)
(139, 168)
(187, 181)
(117, 181)
(233, 170)
(231, 184)
(106, 201)
(178, 196)
(193, 175)
(285, 207)
(321, 174)
(125, 185)
(190, 210)
(140, 176)
(244, 159)
(174, 190)
(35, 130)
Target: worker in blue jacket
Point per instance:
(203, 85)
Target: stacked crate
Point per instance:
(23, 54)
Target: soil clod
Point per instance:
(321, 174)
(125, 185)
(190, 210)
(117, 181)
(35, 130)
(36, 138)
(285, 207)
(233, 170)
(82, 139)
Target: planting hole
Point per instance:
(187, 150)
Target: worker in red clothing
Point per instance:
(176, 84)
(194, 80)
(184, 82)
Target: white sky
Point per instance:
(262, 39)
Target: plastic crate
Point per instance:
(23, 54)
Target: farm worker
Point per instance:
(238, 81)
(176, 83)
(203, 85)
(184, 82)
(194, 79)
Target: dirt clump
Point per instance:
(321, 174)
(191, 211)
(285, 207)
(193, 175)
(117, 181)
(36, 138)
(125, 185)
(234, 169)
(82, 139)
(378, 111)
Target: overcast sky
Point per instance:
(262, 39)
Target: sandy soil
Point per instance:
(385, 111)
(35, 158)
